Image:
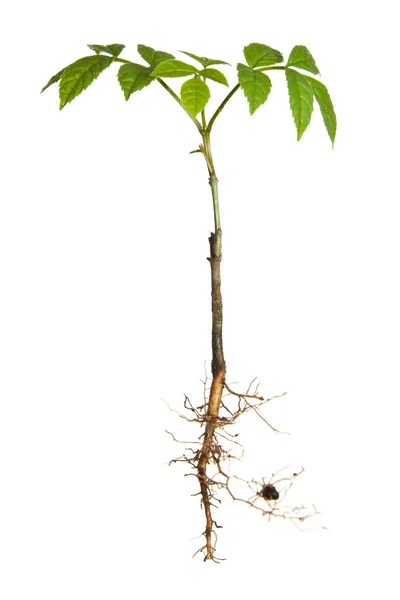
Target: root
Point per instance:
(268, 496)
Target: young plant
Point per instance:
(222, 406)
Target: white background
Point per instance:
(105, 305)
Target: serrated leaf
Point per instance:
(174, 68)
(53, 79)
(153, 57)
(301, 58)
(194, 95)
(113, 49)
(321, 95)
(215, 75)
(78, 76)
(255, 85)
(203, 60)
(133, 77)
(301, 100)
(259, 55)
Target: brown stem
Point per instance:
(218, 362)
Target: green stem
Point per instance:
(176, 97)
(214, 191)
(203, 120)
(221, 106)
(271, 69)
(213, 178)
(233, 91)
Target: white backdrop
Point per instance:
(105, 305)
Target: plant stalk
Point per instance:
(218, 365)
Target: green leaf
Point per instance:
(259, 55)
(113, 49)
(215, 75)
(255, 85)
(153, 57)
(321, 95)
(194, 95)
(53, 79)
(206, 62)
(174, 68)
(78, 76)
(301, 58)
(133, 77)
(301, 100)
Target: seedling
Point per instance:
(222, 406)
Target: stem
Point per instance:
(203, 120)
(213, 178)
(214, 190)
(218, 362)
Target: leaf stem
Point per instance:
(271, 69)
(233, 90)
(171, 92)
(176, 97)
(221, 106)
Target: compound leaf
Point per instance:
(174, 68)
(113, 49)
(133, 77)
(215, 75)
(153, 57)
(194, 95)
(321, 95)
(206, 62)
(255, 85)
(301, 100)
(259, 55)
(78, 76)
(301, 58)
